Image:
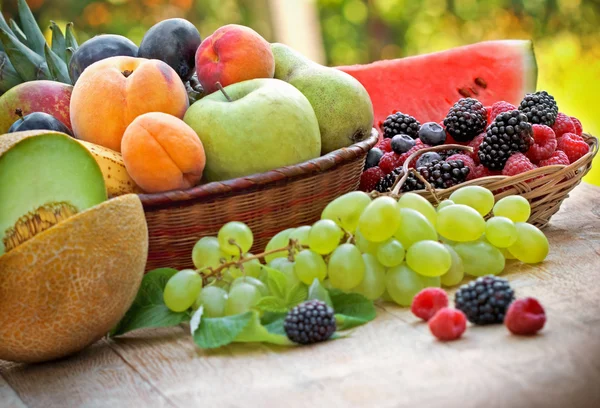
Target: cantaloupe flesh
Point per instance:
(48, 170)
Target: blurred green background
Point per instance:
(566, 33)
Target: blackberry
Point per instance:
(509, 133)
(400, 124)
(485, 300)
(466, 119)
(540, 108)
(444, 154)
(445, 174)
(310, 322)
(412, 183)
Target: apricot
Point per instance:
(233, 53)
(111, 93)
(162, 153)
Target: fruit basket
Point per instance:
(268, 202)
(544, 187)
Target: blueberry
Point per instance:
(427, 158)
(432, 133)
(402, 143)
(373, 158)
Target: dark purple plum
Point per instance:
(98, 48)
(38, 121)
(173, 41)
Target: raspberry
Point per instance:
(475, 143)
(498, 108)
(516, 164)
(370, 178)
(451, 140)
(578, 127)
(385, 145)
(544, 143)
(390, 161)
(481, 171)
(427, 302)
(448, 324)
(467, 160)
(563, 125)
(525, 317)
(488, 109)
(559, 157)
(574, 146)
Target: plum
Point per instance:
(98, 48)
(38, 120)
(175, 42)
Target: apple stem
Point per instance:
(19, 113)
(223, 90)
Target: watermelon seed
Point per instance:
(480, 82)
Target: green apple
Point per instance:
(254, 126)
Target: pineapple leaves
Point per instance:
(27, 63)
(58, 67)
(59, 46)
(17, 31)
(70, 39)
(35, 37)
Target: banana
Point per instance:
(118, 181)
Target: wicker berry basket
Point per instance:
(268, 202)
(545, 187)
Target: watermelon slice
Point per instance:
(426, 86)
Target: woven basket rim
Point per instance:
(216, 189)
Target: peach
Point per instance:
(233, 53)
(162, 153)
(112, 92)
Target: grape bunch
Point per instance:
(377, 247)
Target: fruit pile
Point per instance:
(178, 110)
(504, 140)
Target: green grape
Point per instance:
(251, 268)
(418, 203)
(286, 267)
(241, 298)
(431, 281)
(515, 208)
(456, 273)
(531, 245)
(402, 284)
(310, 265)
(460, 223)
(207, 253)
(480, 258)
(477, 197)
(324, 237)
(301, 234)
(429, 258)
(373, 284)
(346, 210)
(444, 204)
(390, 253)
(365, 246)
(327, 284)
(182, 289)
(414, 227)
(380, 219)
(213, 300)
(280, 240)
(346, 267)
(506, 253)
(386, 296)
(500, 232)
(240, 233)
(262, 288)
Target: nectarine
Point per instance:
(112, 92)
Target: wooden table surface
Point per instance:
(391, 362)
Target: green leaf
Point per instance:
(3, 24)
(276, 282)
(59, 46)
(17, 31)
(69, 54)
(255, 332)
(8, 76)
(296, 295)
(351, 309)
(274, 323)
(35, 37)
(318, 292)
(219, 331)
(148, 308)
(196, 319)
(270, 317)
(271, 304)
(70, 39)
(27, 63)
(58, 68)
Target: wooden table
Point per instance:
(391, 362)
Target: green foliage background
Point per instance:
(566, 33)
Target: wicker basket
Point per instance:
(545, 187)
(268, 202)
